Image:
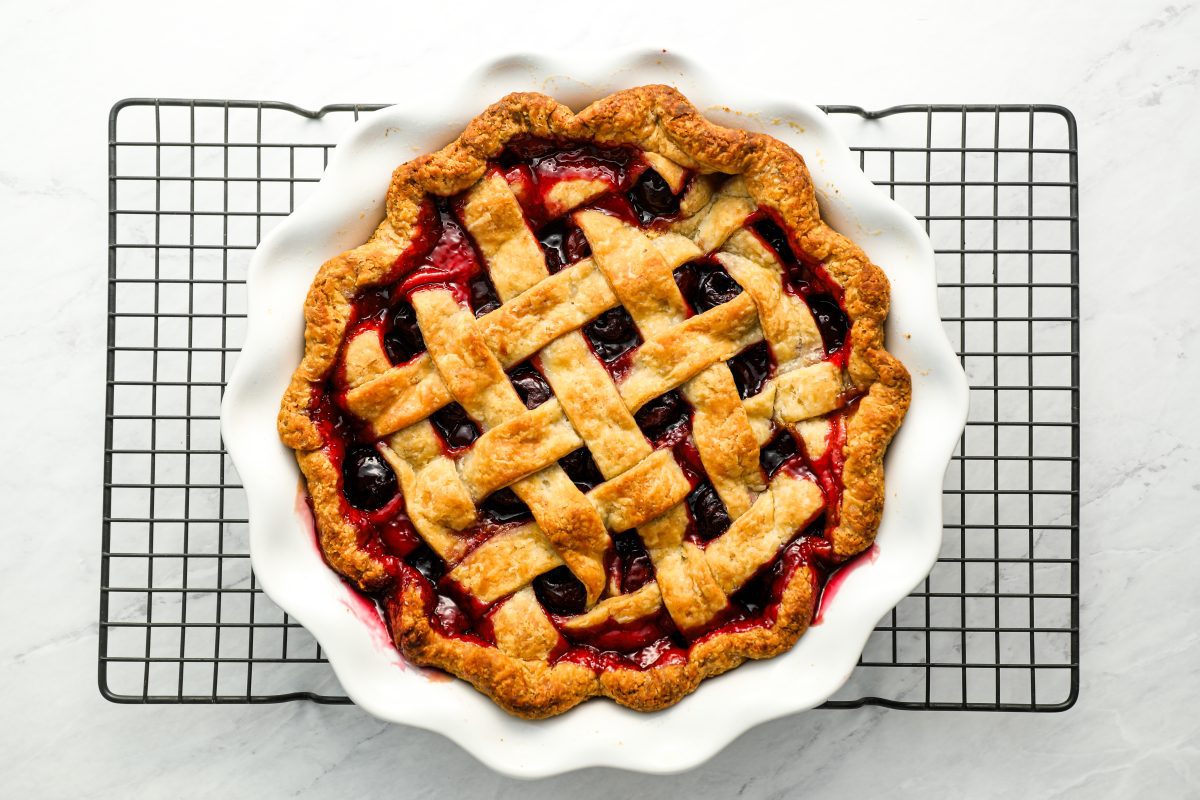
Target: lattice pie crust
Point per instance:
(652, 612)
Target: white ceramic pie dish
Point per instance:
(346, 207)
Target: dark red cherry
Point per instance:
(530, 385)
(367, 479)
(636, 568)
(774, 235)
(504, 506)
(705, 285)
(638, 572)
(525, 148)
(775, 452)
(581, 469)
(403, 338)
(563, 244)
(455, 426)
(553, 239)
(831, 320)
(560, 592)
(687, 280)
(370, 302)
(483, 296)
(428, 563)
(627, 543)
(715, 287)
(755, 594)
(651, 197)
(398, 536)
(578, 247)
(449, 617)
(661, 413)
(751, 368)
(709, 512)
(612, 334)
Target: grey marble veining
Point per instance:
(1130, 72)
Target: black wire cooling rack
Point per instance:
(195, 184)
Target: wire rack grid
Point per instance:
(195, 184)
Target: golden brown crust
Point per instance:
(659, 120)
(536, 689)
(337, 537)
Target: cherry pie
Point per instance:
(599, 406)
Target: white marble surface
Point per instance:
(1129, 71)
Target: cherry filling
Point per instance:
(705, 284)
(755, 595)
(533, 167)
(456, 428)
(530, 385)
(612, 335)
(428, 563)
(481, 294)
(759, 597)
(751, 369)
(708, 512)
(809, 281)
(664, 651)
(370, 498)
(773, 235)
(652, 198)
(781, 450)
(630, 568)
(831, 320)
(551, 161)
(502, 507)
(828, 468)
(367, 480)
(667, 424)
(785, 452)
(612, 637)
(661, 413)
(452, 262)
(560, 592)
(398, 537)
(563, 244)
(581, 469)
(403, 338)
(449, 618)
